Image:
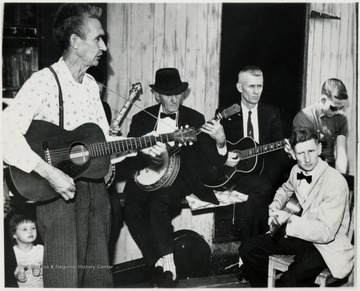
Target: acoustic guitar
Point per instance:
(82, 154)
(250, 162)
(154, 177)
(292, 207)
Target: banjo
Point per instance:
(154, 177)
(135, 92)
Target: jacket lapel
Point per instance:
(261, 122)
(317, 182)
(182, 117)
(152, 120)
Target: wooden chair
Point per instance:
(282, 262)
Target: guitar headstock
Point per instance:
(135, 92)
(228, 112)
(185, 135)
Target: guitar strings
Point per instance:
(62, 153)
(259, 150)
(102, 147)
(107, 148)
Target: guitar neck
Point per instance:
(217, 118)
(262, 149)
(129, 144)
(119, 119)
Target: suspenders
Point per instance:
(61, 106)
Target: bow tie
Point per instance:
(171, 115)
(302, 176)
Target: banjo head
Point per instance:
(156, 177)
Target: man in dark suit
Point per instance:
(261, 123)
(148, 214)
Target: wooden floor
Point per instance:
(223, 274)
(216, 281)
(219, 281)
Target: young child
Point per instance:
(29, 257)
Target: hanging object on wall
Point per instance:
(324, 15)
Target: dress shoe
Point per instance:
(157, 275)
(242, 276)
(167, 280)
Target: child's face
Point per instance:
(25, 232)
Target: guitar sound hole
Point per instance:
(79, 154)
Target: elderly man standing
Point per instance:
(75, 227)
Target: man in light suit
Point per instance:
(320, 236)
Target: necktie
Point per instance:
(250, 130)
(302, 176)
(171, 115)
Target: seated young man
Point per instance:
(319, 237)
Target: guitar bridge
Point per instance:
(46, 152)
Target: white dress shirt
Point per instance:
(254, 120)
(303, 186)
(167, 124)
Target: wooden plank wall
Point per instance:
(145, 37)
(332, 53)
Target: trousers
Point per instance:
(301, 273)
(149, 215)
(76, 236)
(252, 216)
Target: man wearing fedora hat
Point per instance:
(149, 214)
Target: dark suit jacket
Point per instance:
(195, 159)
(270, 130)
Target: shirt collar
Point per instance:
(319, 113)
(253, 110)
(312, 172)
(64, 68)
(162, 111)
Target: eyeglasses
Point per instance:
(334, 108)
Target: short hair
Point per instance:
(16, 220)
(302, 134)
(253, 70)
(334, 88)
(70, 19)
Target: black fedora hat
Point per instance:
(168, 82)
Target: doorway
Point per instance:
(272, 37)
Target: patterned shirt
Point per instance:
(327, 128)
(38, 99)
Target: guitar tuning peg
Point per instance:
(180, 144)
(191, 143)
